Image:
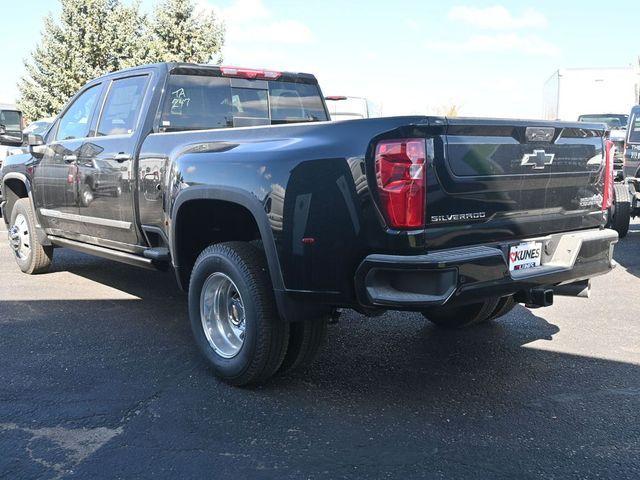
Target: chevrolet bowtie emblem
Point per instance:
(538, 159)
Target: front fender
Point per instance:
(22, 178)
(6, 207)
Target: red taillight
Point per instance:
(607, 194)
(400, 175)
(250, 73)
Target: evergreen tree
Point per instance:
(184, 34)
(93, 37)
(87, 40)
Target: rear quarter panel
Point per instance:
(309, 180)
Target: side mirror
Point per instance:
(3, 130)
(36, 145)
(34, 140)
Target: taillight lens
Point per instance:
(400, 175)
(607, 194)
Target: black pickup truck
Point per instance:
(273, 217)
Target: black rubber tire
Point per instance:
(267, 334)
(305, 339)
(505, 305)
(620, 216)
(40, 256)
(462, 316)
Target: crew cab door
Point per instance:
(107, 174)
(55, 177)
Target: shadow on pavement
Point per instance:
(388, 397)
(627, 251)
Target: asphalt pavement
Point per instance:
(100, 379)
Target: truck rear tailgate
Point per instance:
(502, 179)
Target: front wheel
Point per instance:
(86, 196)
(233, 313)
(31, 256)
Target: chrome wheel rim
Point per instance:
(87, 197)
(222, 314)
(19, 237)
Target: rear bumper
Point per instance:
(466, 275)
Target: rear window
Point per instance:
(11, 120)
(197, 102)
(634, 127)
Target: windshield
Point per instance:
(11, 120)
(197, 102)
(612, 121)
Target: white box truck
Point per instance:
(572, 92)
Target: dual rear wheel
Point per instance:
(235, 320)
(237, 327)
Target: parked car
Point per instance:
(632, 145)
(38, 127)
(616, 132)
(272, 217)
(10, 129)
(626, 202)
(613, 121)
(351, 108)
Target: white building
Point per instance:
(571, 92)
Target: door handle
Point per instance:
(122, 157)
(69, 158)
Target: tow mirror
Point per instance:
(36, 145)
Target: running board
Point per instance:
(103, 252)
(158, 254)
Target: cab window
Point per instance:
(122, 107)
(76, 121)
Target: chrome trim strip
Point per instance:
(105, 222)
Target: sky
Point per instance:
(409, 57)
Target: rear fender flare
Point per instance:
(239, 197)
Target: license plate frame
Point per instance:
(525, 255)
